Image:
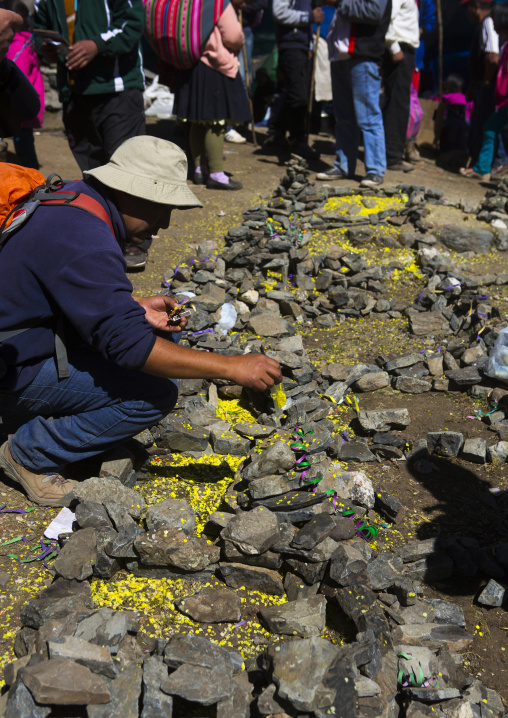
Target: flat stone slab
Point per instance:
(96, 658)
(125, 694)
(182, 436)
(173, 547)
(384, 420)
(429, 634)
(256, 431)
(211, 605)
(253, 532)
(98, 489)
(171, 513)
(59, 682)
(304, 617)
(78, 557)
(254, 578)
(200, 685)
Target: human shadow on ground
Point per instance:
(468, 522)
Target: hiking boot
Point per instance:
(401, 167)
(135, 257)
(42, 489)
(411, 153)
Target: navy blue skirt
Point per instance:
(205, 95)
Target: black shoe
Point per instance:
(275, 141)
(302, 149)
(198, 178)
(372, 180)
(231, 185)
(135, 257)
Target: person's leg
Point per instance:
(483, 107)
(347, 133)
(297, 70)
(494, 125)
(82, 133)
(122, 116)
(25, 148)
(98, 407)
(197, 134)
(214, 147)
(366, 84)
(398, 77)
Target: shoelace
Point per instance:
(55, 479)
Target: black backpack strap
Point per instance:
(62, 361)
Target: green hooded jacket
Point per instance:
(115, 26)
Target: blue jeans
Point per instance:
(98, 407)
(356, 85)
(494, 125)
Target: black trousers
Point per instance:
(294, 65)
(96, 125)
(397, 78)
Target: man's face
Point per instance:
(142, 217)
(475, 13)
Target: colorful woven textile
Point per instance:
(178, 29)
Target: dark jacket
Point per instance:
(116, 27)
(293, 23)
(362, 26)
(64, 261)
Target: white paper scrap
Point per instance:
(61, 524)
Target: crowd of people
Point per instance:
(375, 51)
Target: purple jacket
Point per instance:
(64, 261)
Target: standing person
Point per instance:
(210, 96)
(100, 79)
(483, 61)
(293, 30)
(402, 39)
(356, 43)
(122, 356)
(498, 121)
(22, 52)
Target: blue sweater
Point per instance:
(66, 261)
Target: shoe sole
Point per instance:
(11, 472)
(136, 266)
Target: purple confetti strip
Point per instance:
(479, 314)
(419, 297)
(241, 623)
(203, 331)
(486, 296)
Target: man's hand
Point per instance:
(318, 15)
(158, 310)
(255, 371)
(10, 23)
(398, 57)
(81, 54)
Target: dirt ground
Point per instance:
(453, 498)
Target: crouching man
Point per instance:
(64, 269)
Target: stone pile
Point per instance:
(294, 523)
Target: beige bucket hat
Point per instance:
(150, 168)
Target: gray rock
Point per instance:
(276, 459)
(402, 362)
(373, 381)
(118, 465)
(238, 703)
(60, 682)
(388, 506)
(498, 452)
(98, 489)
(119, 515)
(428, 324)
(313, 532)
(211, 605)
(226, 442)
(366, 687)
(173, 547)
(468, 376)
(96, 658)
(58, 599)
(125, 694)
(437, 567)
(415, 550)
(216, 522)
(78, 556)
(90, 514)
(121, 544)
(20, 703)
(267, 325)
(188, 649)
(435, 364)
(181, 436)
(171, 513)
(466, 239)
(347, 563)
(104, 627)
(304, 617)
(300, 668)
(200, 685)
(493, 594)
(410, 385)
(447, 612)
(384, 570)
(433, 635)
(432, 695)
(475, 450)
(155, 703)
(253, 532)
(254, 578)
(273, 485)
(444, 443)
(383, 420)
(355, 451)
(256, 431)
